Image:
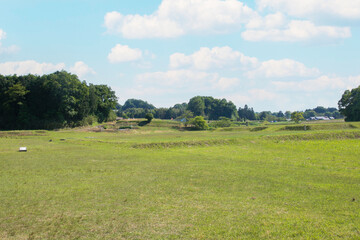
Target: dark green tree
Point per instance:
(349, 105)
(149, 117)
(52, 101)
(137, 103)
(197, 106)
(246, 113)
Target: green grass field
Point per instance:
(157, 182)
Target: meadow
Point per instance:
(122, 181)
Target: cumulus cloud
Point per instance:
(346, 9)
(29, 67)
(123, 53)
(217, 57)
(297, 30)
(270, 21)
(176, 18)
(282, 68)
(81, 69)
(227, 59)
(319, 84)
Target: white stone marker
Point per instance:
(23, 149)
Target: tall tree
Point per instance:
(197, 106)
(349, 104)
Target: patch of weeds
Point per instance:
(256, 129)
(316, 136)
(199, 143)
(296, 128)
(6, 134)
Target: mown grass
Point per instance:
(159, 183)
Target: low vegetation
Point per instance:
(159, 181)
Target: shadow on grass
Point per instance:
(143, 123)
(181, 128)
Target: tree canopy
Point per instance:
(137, 103)
(297, 117)
(246, 113)
(51, 101)
(349, 104)
(212, 108)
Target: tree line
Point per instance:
(60, 100)
(214, 109)
(52, 101)
(207, 107)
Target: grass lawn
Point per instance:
(157, 182)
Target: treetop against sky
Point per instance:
(270, 54)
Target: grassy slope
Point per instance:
(220, 184)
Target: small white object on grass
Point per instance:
(23, 149)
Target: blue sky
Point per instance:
(270, 54)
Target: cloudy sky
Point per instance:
(270, 54)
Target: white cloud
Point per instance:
(29, 67)
(262, 95)
(282, 68)
(186, 79)
(81, 69)
(177, 78)
(2, 34)
(217, 57)
(225, 58)
(255, 95)
(7, 50)
(346, 9)
(320, 84)
(136, 26)
(123, 53)
(298, 31)
(270, 21)
(226, 83)
(176, 18)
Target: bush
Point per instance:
(111, 117)
(199, 123)
(89, 120)
(223, 122)
(149, 117)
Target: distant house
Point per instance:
(319, 118)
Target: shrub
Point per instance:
(149, 117)
(199, 123)
(111, 117)
(89, 120)
(223, 122)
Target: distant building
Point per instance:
(320, 118)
